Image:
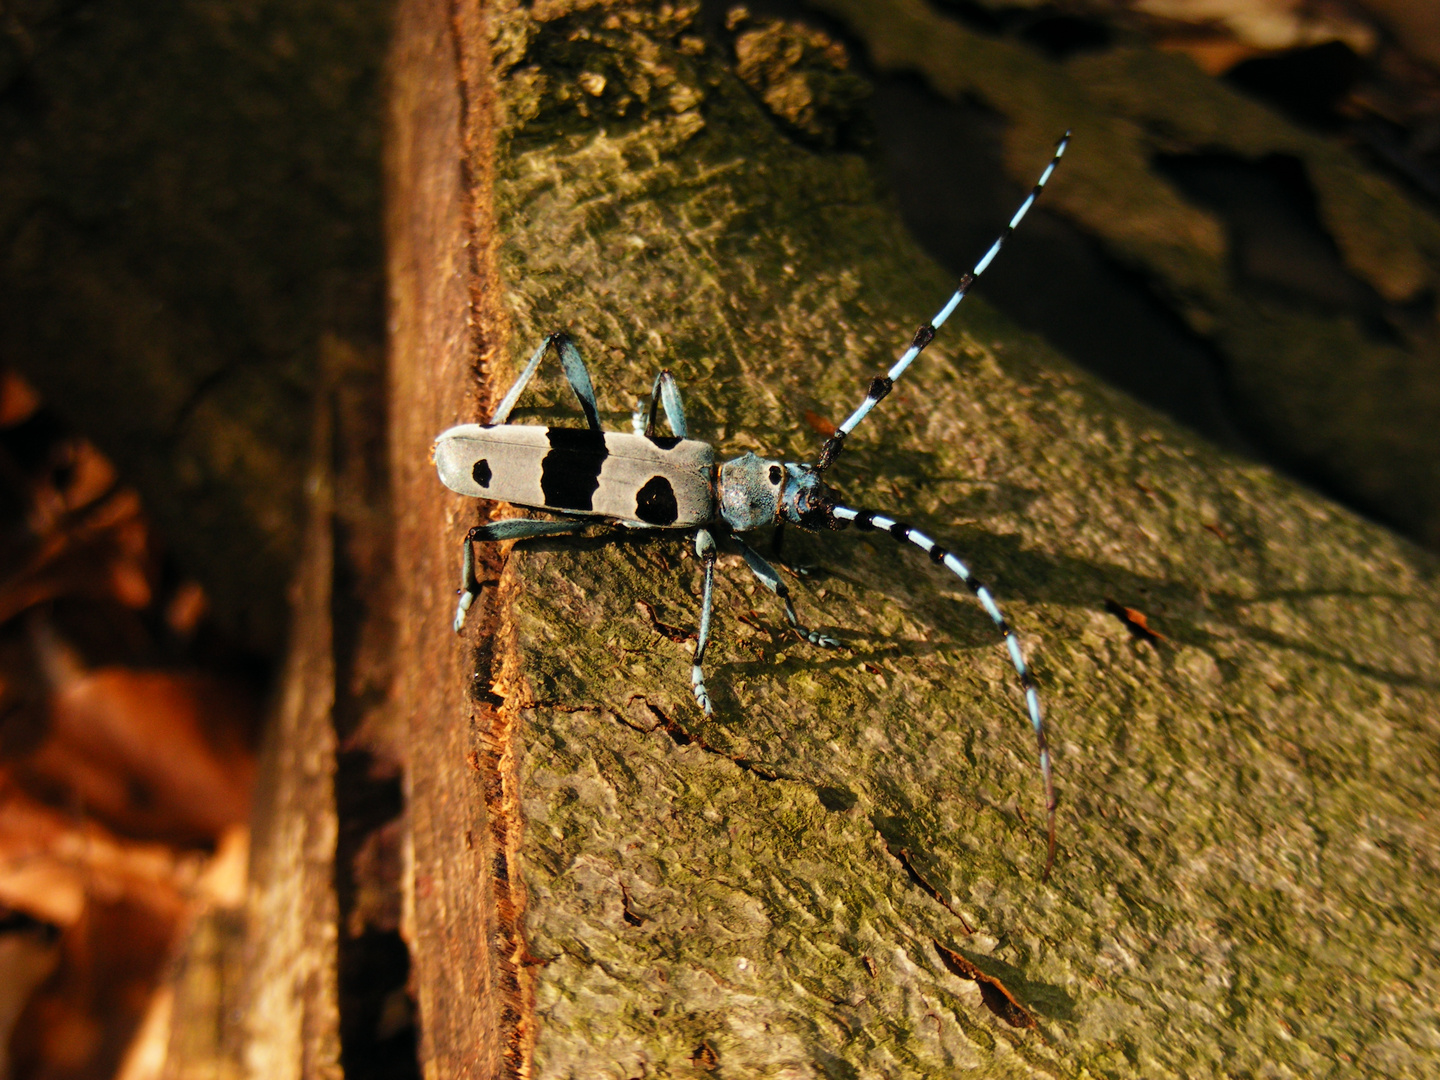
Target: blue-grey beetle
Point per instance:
(643, 480)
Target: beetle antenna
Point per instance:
(882, 384)
(868, 520)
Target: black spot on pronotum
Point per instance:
(481, 473)
(570, 472)
(665, 442)
(775, 474)
(655, 502)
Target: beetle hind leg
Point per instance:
(665, 392)
(509, 529)
(576, 374)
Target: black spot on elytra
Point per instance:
(655, 502)
(481, 473)
(570, 472)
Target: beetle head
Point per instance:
(755, 492)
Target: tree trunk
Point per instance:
(463, 810)
(840, 872)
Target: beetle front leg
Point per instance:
(766, 575)
(469, 587)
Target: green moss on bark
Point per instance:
(1245, 884)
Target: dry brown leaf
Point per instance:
(145, 1057)
(28, 956)
(18, 399)
(135, 745)
(51, 867)
(1134, 620)
(1266, 24)
(1214, 55)
(89, 475)
(187, 606)
(821, 425)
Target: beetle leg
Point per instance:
(771, 580)
(509, 529)
(705, 548)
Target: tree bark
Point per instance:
(292, 998)
(796, 885)
(840, 873)
(465, 941)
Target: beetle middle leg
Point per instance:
(705, 548)
(666, 392)
(777, 554)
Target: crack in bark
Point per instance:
(680, 737)
(629, 915)
(902, 856)
(993, 993)
(674, 633)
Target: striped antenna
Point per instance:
(882, 384)
(869, 519)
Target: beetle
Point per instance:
(642, 480)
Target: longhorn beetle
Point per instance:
(670, 482)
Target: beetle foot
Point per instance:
(702, 696)
(467, 597)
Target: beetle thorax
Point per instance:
(756, 492)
